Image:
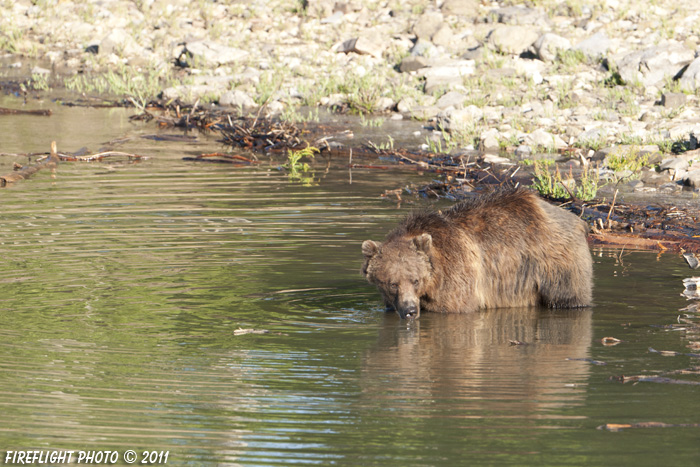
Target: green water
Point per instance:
(122, 286)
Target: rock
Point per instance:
(649, 177)
(424, 48)
(459, 119)
(468, 8)
(500, 160)
(119, 42)
(406, 104)
(548, 44)
(489, 140)
(448, 68)
(384, 103)
(523, 151)
(682, 162)
(369, 43)
(37, 70)
(445, 74)
(635, 185)
(595, 46)
(412, 63)
(452, 99)
(543, 139)
(693, 178)
(601, 154)
(683, 131)
(652, 65)
(473, 54)
(189, 93)
(440, 84)
(690, 80)
(443, 37)
(335, 18)
(594, 135)
(672, 100)
(236, 98)
(519, 15)
(274, 108)
(511, 39)
(530, 68)
(671, 188)
(650, 116)
(424, 112)
(428, 24)
(209, 53)
(319, 8)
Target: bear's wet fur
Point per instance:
(509, 248)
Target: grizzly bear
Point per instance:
(506, 249)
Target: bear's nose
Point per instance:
(410, 312)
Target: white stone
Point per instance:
(236, 98)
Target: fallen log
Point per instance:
(50, 162)
(648, 240)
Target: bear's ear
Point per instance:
(423, 242)
(370, 248)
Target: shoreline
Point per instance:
(561, 89)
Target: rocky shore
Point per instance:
(612, 80)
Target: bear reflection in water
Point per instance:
(506, 249)
(472, 357)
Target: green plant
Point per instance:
(548, 183)
(371, 122)
(551, 184)
(123, 81)
(293, 115)
(629, 138)
(595, 144)
(588, 185)
(298, 170)
(628, 160)
(665, 145)
(361, 92)
(9, 39)
(563, 90)
(39, 82)
(569, 60)
(268, 86)
(435, 145)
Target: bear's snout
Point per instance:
(410, 311)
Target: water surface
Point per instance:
(122, 286)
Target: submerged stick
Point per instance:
(6, 111)
(623, 426)
(26, 172)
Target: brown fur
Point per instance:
(503, 250)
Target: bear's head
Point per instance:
(401, 269)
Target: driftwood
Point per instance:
(6, 111)
(50, 162)
(98, 156)
(623, 426)
(222, 158)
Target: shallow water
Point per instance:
(122, 286)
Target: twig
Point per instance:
(612, 206)
(26, 172)
(98, 156)
(6, 111)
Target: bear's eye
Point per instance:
(394, 286)
(415, 282)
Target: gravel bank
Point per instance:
(617, 78)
